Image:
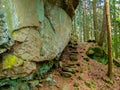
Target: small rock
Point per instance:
(34, 83)
(60, 64)
(70, 64)
(66, 74)
(68, 70)
(50, 79)
(91, 52)
(76, 84)
(40, 85)
(73, 46)
(73, 58)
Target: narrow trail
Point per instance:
(76, 71)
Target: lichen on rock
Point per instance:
(10, 61)
(5, 39)
(32, 32)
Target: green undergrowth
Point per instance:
(45, 67)
(116, 63)
(91, 85)
(14, 84)
(25, 82)
(99, 55)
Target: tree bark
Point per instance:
(110, 61)
(103, 31)
(84, 20)
(95, 21)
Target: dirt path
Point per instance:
(78, 72)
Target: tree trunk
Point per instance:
(85, 26)
(103, 31)
(84, 21)
(95, 21)
(110, 63)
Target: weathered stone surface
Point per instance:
(66, 74)
(68, 5)
(27, 48)
(67, 69)
(91, 52)
(56, 32)
(5, 40)
(40, 30)
(23, 69)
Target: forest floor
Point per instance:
(77, 71)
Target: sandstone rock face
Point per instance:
(37, 31)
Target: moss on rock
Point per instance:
(10, 61)
(98, 54)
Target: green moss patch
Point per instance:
(45, 67)
(24, 83)
(98, 54)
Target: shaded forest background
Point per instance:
(85, 29)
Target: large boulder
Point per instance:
(37, 30)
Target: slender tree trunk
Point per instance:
(103, 31)
(95, 21)
(91, 24)
(84, 19)
(110, 63)
(81, 30)
(87, 31)
(86, 22)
